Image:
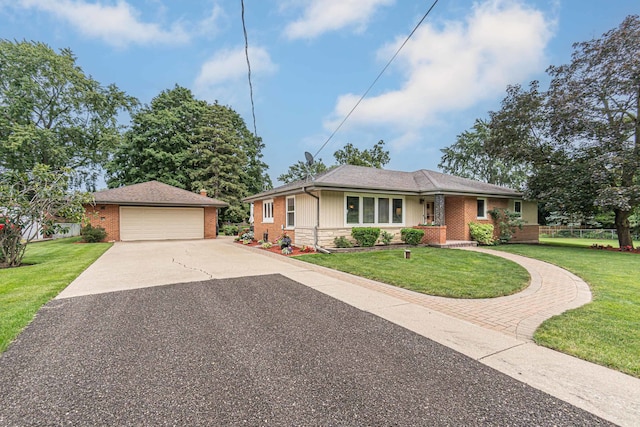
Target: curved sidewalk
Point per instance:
(552, 291)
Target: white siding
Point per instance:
(305, 211)
(332, 209)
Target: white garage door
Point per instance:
(146, 223)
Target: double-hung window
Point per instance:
(369, 210)
(291, 212)
(482, 208)
(267, 211)
(517, 207)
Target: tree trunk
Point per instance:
(623, 228)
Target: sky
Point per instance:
(311, 60)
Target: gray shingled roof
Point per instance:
(422, 182)
(154, 193)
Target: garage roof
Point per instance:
(154, 193)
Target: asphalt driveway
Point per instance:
(260, 350)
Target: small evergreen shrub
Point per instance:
(411, 236)
(365, 236)
(92, 234)
(386, 237)
(342, 242)
(229, 230)
(507, 223)
(481, 233)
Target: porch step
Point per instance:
(456, 244)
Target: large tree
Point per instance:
(194, 145)
(582, 135)
(468, 158)
(51, 113)
(375, 157)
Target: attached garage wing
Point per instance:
(155, 223)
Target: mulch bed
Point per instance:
(611, 248)
(277, 250)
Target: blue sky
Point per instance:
(312, 59)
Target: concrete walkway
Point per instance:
(473, 328)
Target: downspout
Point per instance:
(315, 228)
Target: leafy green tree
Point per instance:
(194, 145)
(468, 158)
(375, 157)
(300, 170)
(31, 200)
(581, 136)
(51, 113)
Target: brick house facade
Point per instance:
(314, 212)
(153, 211)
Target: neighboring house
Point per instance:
(154, 211)
(317, 210)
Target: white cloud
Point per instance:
(117, 25)
(227, 69)
(321, 16)
(453, 68)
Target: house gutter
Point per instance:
(315, 228)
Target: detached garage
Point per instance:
(154, 211)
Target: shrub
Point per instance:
(507, 222)
(286, 250)
(481, 233)
(342, 242)
(411, 236)
(386, 237)
(92, 234)
(266, 245)
(365, 236)
(229, 230)
(283, 241)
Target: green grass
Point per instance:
(52, 266)
(443, 272)
(569, 241)
(606, 331)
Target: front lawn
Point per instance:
(584, 243)
(444, 272)
(606, 331)
(52, 266)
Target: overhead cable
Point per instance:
(378, 77)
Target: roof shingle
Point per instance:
(154, 193)
(422, 182)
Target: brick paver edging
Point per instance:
(552, 291)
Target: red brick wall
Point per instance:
(461, 210)
(433, 234)
(529, 233)
(105, 216)
(210, 222)
(279, 220)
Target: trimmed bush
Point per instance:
(365, 236)
(481, 233)
(342, 242)
(386, 237)
(92, 234)
(229, 230)
(411, 236)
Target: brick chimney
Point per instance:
(203, 192)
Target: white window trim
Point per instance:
(485, 207)
(375, 196)
(286, 213)
(266, 219)
(521, 207)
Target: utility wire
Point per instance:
(378, 77)
(246, 54)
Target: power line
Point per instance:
(246, 54)
(378, 77)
